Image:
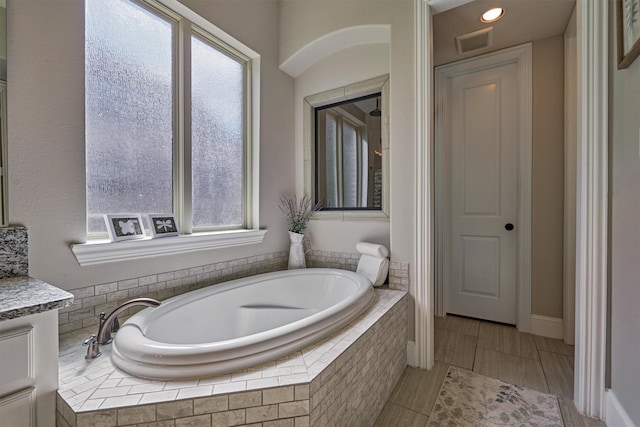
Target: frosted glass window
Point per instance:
(217, 105)
(129, 110)
(139, 157)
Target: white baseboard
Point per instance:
(615, 415)
(412, 356)
(550, 327)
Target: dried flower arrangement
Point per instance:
(297, 212)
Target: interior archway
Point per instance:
(331, 43)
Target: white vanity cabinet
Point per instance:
(29, 352)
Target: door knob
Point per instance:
(508, 226)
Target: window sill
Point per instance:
(102, 251)
(351, 215)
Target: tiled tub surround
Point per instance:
(343, 380)
(14, 252)
(398, 271)
(92, 300)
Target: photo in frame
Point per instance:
(163, 225)
(124, 226)
(628, 31)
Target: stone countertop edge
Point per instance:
(23, 296)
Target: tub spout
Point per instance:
(106, 324)
(104, 332)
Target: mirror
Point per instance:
(346, 150)
(348, 147)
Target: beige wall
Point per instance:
(570, 176)
(547, 214)
(624, 197)
(46, 136)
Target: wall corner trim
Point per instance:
(423, 265)
(550, 327)
(615, 415)
(592, 207)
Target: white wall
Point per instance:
(46, 136)
(625, 234)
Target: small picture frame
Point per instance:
(628, 27)
(124, 226)
(163, 225)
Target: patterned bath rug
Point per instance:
(469, 399)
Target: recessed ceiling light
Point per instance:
(492, 15)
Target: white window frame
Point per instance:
(100, 250)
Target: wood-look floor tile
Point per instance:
(507, 339)
(454, 348)
(393, 415)
(462, 325)
(553, 346)
(418, 388)
(558, 370)
(511, 369)
(572, 418)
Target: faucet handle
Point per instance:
(93, 349)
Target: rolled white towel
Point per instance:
(372, 249)
(373, 268)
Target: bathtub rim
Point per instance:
(229, 356)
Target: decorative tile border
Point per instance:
(92, 300)
(326, 259)
(14, 252)
(399, 276)
(346, 377)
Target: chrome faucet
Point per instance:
(107, 325)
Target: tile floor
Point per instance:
(490, 349)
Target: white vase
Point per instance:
(296, 251)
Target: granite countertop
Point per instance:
(23, 295)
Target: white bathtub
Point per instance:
(239, 324)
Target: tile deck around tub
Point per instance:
(96, 385)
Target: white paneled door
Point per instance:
(482, 137)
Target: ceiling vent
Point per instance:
(477, 40)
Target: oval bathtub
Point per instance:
(239, 324)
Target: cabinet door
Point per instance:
(16, 360)
(18, 409)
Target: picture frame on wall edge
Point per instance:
(628, 31)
